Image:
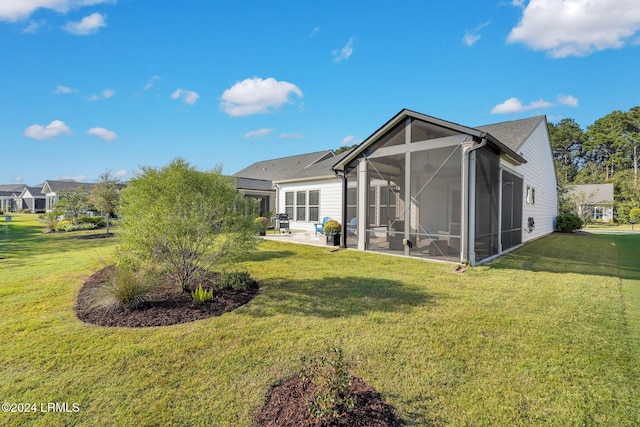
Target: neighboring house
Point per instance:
(593, 201)
(33, 199)
(422, 186)
(10, 197)
(52, 189)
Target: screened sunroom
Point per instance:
(424, 187)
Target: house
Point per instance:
(52, 190)
(10, 197)
(259, 190)
(425, 187)
(33, 199)
(594, 202)
(303, 186)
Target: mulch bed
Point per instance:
(286, 406)
(169, 305)
(96, 236)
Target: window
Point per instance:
(288, 203)
(531, 195)
(314, 205)
(301, 205)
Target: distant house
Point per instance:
(33, 199)
(425, 187)
(52, 189)
(594, 202)
(10, 197)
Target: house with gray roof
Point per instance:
(52, 189)
(593, 202)
(10, 197)
(425, 187)
(33, 199)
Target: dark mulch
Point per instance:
(169, 305)
(286, 406)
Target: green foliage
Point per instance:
(262, 223)
(127, 288)
(201, 294)
(68, 225)
(73, 203)
(327, 375)
(332, 227)
(105, 195)
(236, 280)
(568, 223)
(98, 221)
(344, 148)
(634, 214)
(185, 220)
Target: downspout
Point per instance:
(343, 238)
(469, 219)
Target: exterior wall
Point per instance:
(330, 200)
(539, 174)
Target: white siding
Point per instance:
(539, 173)
(330, 200)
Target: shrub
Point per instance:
(201, 294)
(568, 223)
(332, 227)
(1, 212)
(326, 374)
(127, 288)
(634, 214)
(26, 211)
(261, 223)
(98, 221)
(236, 280)
(68, 225)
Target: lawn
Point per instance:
(547, 335)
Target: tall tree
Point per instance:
(73, 203)
(566, 143)
(105, 196)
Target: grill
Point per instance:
(282, 223)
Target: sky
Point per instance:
(94, 86)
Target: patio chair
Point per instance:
(320, 227)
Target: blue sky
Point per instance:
(95, 85)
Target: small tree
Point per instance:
(73, 203)
(185, 220)
(105, 196)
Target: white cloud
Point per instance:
(514, 105)
(347, 139)
(106, 94)
(77, 178)
(576, 27)
(569, 100)
(472, 36)
(88, 25)
(257, 96)
(121, 173)
(14, 10)
(152, 81)
(51, 130)
(33, 27)
(258, 133)
(187, 96)
(344, 53)
(105, 134)
(314, 32)
(64, 89)
(292, 135)
(18, 178)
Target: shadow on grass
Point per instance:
(259, 256)
(332, 297)
(594, 254)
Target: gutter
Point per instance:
(469, 199)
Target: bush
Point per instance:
(201, 294)
(332, 227)
(236, 280)
(68, 225)
(634, 214)
(127, 288)
(98, 221)
(568, 223)
(328, 377)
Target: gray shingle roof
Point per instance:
(283, 168)
(594, 193)
(253, 184)
(512, 133)
(12, 187)
(57, 186)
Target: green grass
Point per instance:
(547, 335)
